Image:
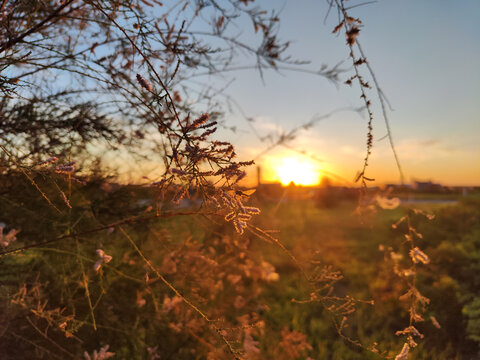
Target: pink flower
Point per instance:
(103, 259)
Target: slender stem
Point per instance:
(88, 232)
(164, 87)
(381, 98)
(177, 293)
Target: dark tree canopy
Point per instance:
(68, 68)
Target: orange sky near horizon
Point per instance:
(287, 166)
(425, 58)
(426, 61)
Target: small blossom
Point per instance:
(416, 317)
(101, 355)
(153, 352)
(140, 300)
(233, 278)
(170, 303)
(411, 342)
(428, 216)
(294, 343)
(396, 257)
(411, 330)
(402, 219)
(63, 327)
(169, 265)
(250, 346)
(414, 295)
(176, 96)
(418, 256)
(268, 272)
(408, 272)
(177, 327)
(103, 259)
(5, 240)
(435, 322)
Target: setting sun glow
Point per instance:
(301, 172)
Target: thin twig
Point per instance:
(11, 42)
(106, 227)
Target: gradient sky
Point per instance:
(426, 56)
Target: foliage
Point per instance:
(69, 68)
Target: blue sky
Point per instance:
(426, 56)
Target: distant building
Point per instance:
(398, 187)
(427, 186)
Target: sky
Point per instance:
(426, 57)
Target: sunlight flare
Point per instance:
(299, 171)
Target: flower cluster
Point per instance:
(239, 213)
(102, 259)
(5, 240)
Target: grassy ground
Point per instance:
(130, 314)
(350, 242)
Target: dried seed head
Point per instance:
(352, 34)
(49, 161)
(178, 171)
(411, 330)
(353, 20)
(67, 168)
(244, 217)
(240, 226)
(252, 210)
(200, 121)
(338, 27)
(230, 216)
(144, 83)
(418, 256)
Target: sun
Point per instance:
(301, 172)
